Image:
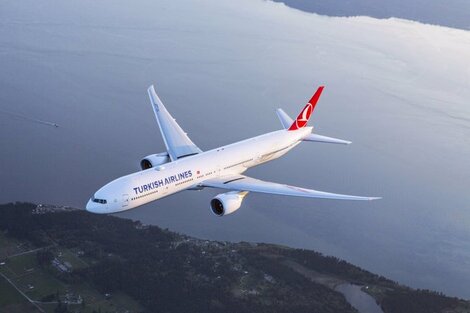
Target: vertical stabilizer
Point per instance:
(304, 116)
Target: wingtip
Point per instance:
(154, 99)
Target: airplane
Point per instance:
(186, 167)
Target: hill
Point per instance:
(58, 259)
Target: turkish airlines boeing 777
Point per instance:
(185, 166)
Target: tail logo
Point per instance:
(304, 116)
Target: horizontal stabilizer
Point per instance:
(285, 119)
(324, 139)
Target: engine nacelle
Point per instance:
(227, 203)
(154, 160)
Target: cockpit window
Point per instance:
(102, 201)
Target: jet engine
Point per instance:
(227, 203)
(154, 160)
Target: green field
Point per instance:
(118, 302)
(8, 246)
(22, 264)
(9, 295)
(72, 258)
(43, 284)
(36, 282)
(4, 269)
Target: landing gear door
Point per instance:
(125, 200)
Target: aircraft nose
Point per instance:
(94, 207)
(90, 206)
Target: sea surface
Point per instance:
(358, 298)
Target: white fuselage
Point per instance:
(142, 187)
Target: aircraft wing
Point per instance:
(245, 183)
(176, 140)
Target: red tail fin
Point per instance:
(303, 117)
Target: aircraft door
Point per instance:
(125, 200)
